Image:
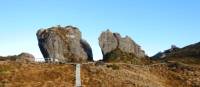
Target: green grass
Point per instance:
(120, 56)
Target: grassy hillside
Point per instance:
(188, 55)
(178, 69)
(118, 56)
(188, 51)
(14, 74)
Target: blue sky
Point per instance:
(154, 24)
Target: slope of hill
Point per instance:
(190, 51)
(179, 68)
(14, 74)
(189, 54)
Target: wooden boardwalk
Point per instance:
(78, 75)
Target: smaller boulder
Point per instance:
(25, 57)
(119, 49)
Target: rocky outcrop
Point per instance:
(164, 54)
(23, 57)
(187, 55)
(63, 44)
(192, 51)
(110, 42)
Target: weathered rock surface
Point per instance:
(63, 44)
(109, 42)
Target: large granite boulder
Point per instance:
(112, 43)
(63, 44)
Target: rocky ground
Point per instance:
(172, 74)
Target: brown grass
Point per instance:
(36, 75)
(174, 74)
